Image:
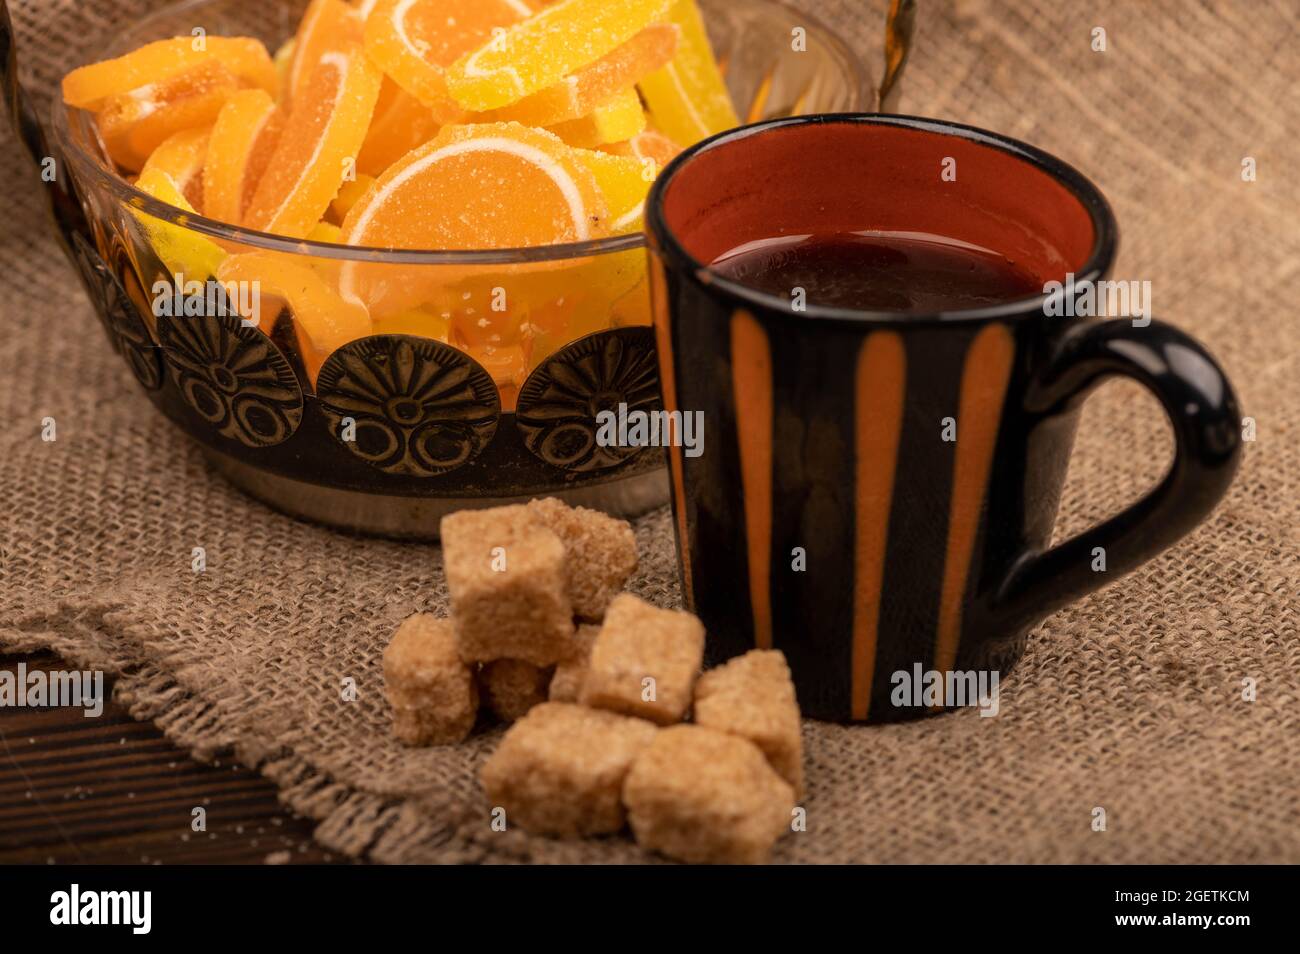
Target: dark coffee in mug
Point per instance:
(907, 272)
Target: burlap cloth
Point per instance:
(1129, 701)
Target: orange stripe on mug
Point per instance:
(751, 379)
(668, 386)
(983, 390)
(879, 391)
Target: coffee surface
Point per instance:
(906, 272)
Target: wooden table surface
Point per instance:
(111, 790)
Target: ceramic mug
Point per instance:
(876, 491)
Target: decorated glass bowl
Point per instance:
(393, 429)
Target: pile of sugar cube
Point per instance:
(598, 684)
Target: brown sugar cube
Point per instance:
(600, 550)
(505, 575)
(706, 797)
(559, 770)
(510, 687)
(645, 661)
(432, 693)
(566, 684)
(753, 696)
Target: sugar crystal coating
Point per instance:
(319, 145)
(706, 797)
(506, 577)
(583, 90)
(600, 553)
(511, 687)
(432, 693)
(645, 661)
(134, 124)
(618, 119)
(688, 98)
(543, 49)
(560, 769)
(753, 696)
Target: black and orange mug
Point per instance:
(876, 489)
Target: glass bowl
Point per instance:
(479, 379)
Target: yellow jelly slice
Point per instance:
(616, 120)
(134, 124)
(283, 60)
(322, 321)
(186, 253)
(422, 324)
(318, 148)
(89, 86)
(414, 41)
(544, 49)
(577, 95)
(688, 99)
(326, 232)
(624, 181)
(245, 134)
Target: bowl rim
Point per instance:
(859, 88)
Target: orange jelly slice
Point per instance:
(542, 50)
(245, 135)
(615, 120)
(90, 86)
(651, 147)
(134, 124)
(326, 25)
(323, 322)
(401, 123)
(495, 185)
(349, 196)
(688, 99)
(317, 151)
(577, 95)
(181, 158)
(414, 41)
(489, 185)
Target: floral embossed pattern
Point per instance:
(559, 404)
(233, 377)
(407, 405)
(116, 311)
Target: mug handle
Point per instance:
(1203, 411)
